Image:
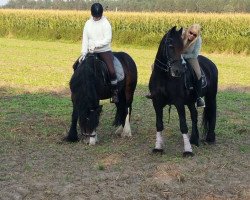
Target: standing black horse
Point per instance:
(168, 86)
(89, 84)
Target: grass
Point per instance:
(35, 74)
(35, 111)
(221, 32)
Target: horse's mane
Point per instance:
(83, 87)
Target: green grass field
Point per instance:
(223, 32)
(35, 111)
(36, 71)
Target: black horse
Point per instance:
(168, 86)
(89, 84)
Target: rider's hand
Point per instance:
(81, 58)
(91, 48)
(183, 62)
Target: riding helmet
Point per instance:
(96, 10)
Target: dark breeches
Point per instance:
(108, 58)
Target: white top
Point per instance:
(97, 36)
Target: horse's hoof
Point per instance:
(195, 142)
(187, 154)
(126, 135)
(155, 151)
(119, 130)
(210, 142)
(70, 139)
(205, 142)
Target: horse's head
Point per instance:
(168, 57)
(84, 95)
(89, 120)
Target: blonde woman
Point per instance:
(192, 47)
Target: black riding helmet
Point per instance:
(96, 10)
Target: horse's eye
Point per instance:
(171, 46)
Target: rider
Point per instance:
(192, 46)
(97, 36)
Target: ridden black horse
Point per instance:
(168, 86)
(89, 84)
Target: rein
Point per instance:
(164, 66)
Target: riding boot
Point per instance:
(199, 102)
(114, 90)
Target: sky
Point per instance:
(3, 2)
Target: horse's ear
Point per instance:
(75, 65)
(180, 31)
(174, 28)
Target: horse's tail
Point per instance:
(209, 114)
(124, 106)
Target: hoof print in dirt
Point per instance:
(156, 151)
(187, 154)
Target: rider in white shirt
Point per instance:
(97, 36)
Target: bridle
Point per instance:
(92, 110)
(168, 63)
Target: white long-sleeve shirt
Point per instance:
(97, 34)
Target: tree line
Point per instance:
(217, 6)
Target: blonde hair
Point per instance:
(194, 27)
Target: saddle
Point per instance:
(190, 77)
(101, 69)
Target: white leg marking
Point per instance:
(159, 141)
(93, 140)
(187, 145)
(119, 130)
(127, 129)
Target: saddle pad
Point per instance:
(118, 69)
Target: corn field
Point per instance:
(220, 32)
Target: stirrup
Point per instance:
(200, 102)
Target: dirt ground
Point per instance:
(35, 168)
